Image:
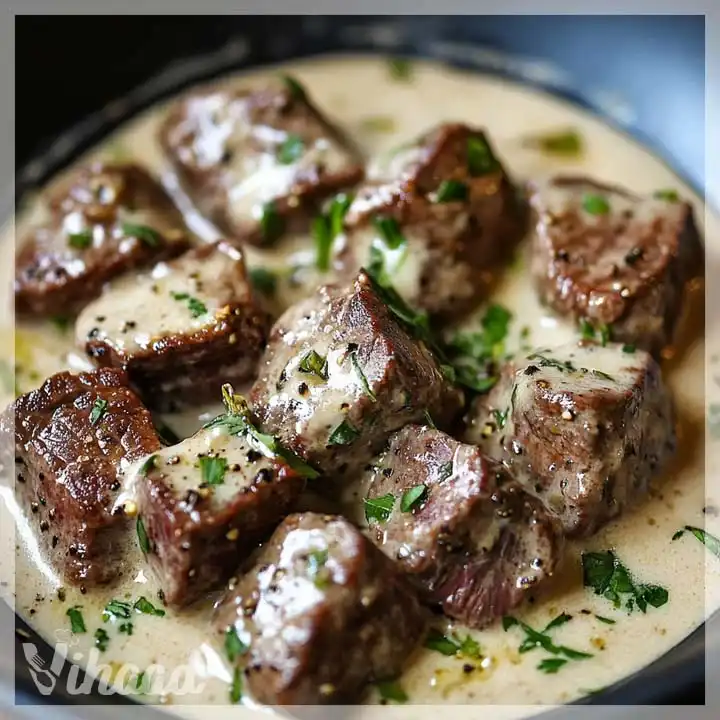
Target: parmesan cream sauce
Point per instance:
(360, 95)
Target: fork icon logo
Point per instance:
(42, 675)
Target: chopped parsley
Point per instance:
(126, 627)
(213, 469)
(296, 89)
(500, 417)
(291, 150)
(392, 691)
(263, 280)
(234, 646)
(540, 638)
(629, 348)
(98, 410)
(453, 645)
(314, 364)
(144, 606)
(589, 332)
(551, 665)
(143, 539)
(117, 609)
(77, 624)
(166, 433)
(148, 465)
(361, 376)
(388, 250)
(237, 422)
(669, 195)
(480, 158)
(81, 240)
(709, 541)
(564, 142)
(195, 306)
(343, 434)
(595, 204)
(327, 227)
(236, 689)
(272, 224)
(607, 576)
(606, 620)
(317, 571)
(101, 639)
(142, 232)
(400, 69)
(380, 508)
(413, 498)
(451, 191)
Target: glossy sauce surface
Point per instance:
(362, 97)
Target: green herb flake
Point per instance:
(380, 508)
(291, 150)
(317, 571)
(81, 240)
(480, 158)
(294, 86)
(166, 433)
(77, 624)
(595, 204)
(98, 410)
(540, 639)
(343, 434)
(213, 469)
(263, 280)
(196, 307)
(272, 224)
(236, 689)
(607, 576)
(361, 376)
(144, 606)
(413, 498)
(237, 422)
(143, 539)
(101, 639)
(327, 227)
(451, 191)
(629, 349)
(551, 665)
(126, 628)
(234, 646)
(668, 195)
(148, 465)
(313, 363)
(501, 417)
(605, 334)
(709, 541)
(117, 609)
(142, 232)
(392, 691)
(587, 331)
(606, 620)
(400, 69)
(566, 143)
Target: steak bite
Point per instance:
(104, 220)
(435, 217)
(322, 613)
(472, 540)
(257, 161)
(610, 257)
(208, 501)
(182, 329)
(74, 437)
(586, 427)
(341, 372)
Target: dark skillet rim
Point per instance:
(683, 666)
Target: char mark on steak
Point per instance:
(322, 613)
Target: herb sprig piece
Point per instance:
(709, 541)
(540, 638)
(327, 227)
(452, 644)
(380, 508)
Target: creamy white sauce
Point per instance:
(352, 91)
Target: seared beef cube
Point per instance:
(472, 539)
(341, 372)
(322, 613)
(437, 216)
(181, 330)
(206, 502)
(586, 427)
(104, 220)
(74, 437)
(610, 257)
(257, 162)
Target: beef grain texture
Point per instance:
(369, 378)
(181, 330)
(71, 436)
(474, 541)
(257, 162)
(586, 427)
(606, 255)
(323, 612)
(104, 220)
(456, 209)
(200, 520)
